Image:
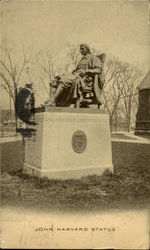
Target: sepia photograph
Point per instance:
(75, 124)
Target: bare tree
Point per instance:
(130, 78)
(73, 54)
(121, 89)
(46, 64)
(112, 88)
(12, 67)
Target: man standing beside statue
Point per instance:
(84, 84)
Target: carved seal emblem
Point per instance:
(79, 141)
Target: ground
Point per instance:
(127, 188)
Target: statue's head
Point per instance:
(84, 49)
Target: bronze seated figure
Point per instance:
(84, 85)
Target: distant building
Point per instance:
(143, 114)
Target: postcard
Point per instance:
(75, 124)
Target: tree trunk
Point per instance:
(129, 122)
(10, 108)
(116, 120)
(15, 104)
(110, 122)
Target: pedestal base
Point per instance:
(66, 173)
(69, 144)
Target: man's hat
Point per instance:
(29, 85)
(85, 45)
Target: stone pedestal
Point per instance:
(69, 143)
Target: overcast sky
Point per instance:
(118, 28)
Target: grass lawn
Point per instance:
(127, 188)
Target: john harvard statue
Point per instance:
(84, 85)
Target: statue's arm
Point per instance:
(95, 65)
(97, 70)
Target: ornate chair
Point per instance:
(92, 92)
